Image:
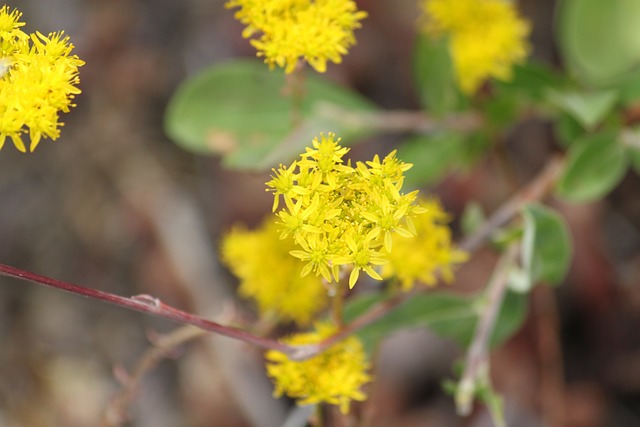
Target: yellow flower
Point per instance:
(342, 215)
(427, 255)
(38, 80)
(333, 377)
(270, 276)
(316, 31)
(486, 37)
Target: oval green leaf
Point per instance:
(600, 40)
(546, 245)
(595, 165)
(238, 110)
(588, 108)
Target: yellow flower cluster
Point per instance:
(317, 31)
(37, 80)
(342, 215)
(271, 276)
(427, 256)
(486, 37)
(334, 376)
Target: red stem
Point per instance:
(150, 305)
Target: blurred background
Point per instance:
(114, 205)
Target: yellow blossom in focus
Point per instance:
(286, 30)
(270, 276)
(486, 37)
(334, 376)
(342, 215)
(428, 255)
(38, 79)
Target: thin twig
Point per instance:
(115, 413)
(337, 305)
(295, 89)
(147, 304)
(535, 190)
(476, 363)
(375, 313)
(401, 121)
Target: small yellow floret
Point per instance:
(287, 30)
(428, 255)
(271, 276)
(334, 377)
(486, 37)
(38, 79)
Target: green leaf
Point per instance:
(432, 156)
(237, 109)
(531, 80)
(448, 315)
(595, 165)
(434, 75)
(588, 108)
(567, 129)
(599, 40)
(546, 245)
(510, 318)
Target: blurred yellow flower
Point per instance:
(486, 37)
(342, 215)
(271, 276)
(426, 256)
(38, 80)
(286, 30)
(334, 376)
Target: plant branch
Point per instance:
(147, 304)
(115, 413)
(337, 304)
(150, 305)
(401, 120)
(377, 312)
(537, 189)
(418, 121)
(477, 363)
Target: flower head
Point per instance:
(316, 31)
(270, 276)
(334, 376)
(486, 37)
(38, 80)
(342, 215)
(427, 255)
